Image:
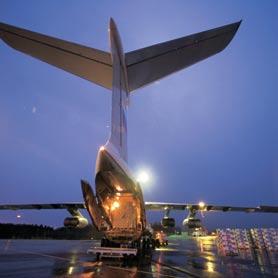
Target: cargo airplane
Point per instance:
(117, 206)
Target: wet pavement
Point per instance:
(182, 258)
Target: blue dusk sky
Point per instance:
(209, 132)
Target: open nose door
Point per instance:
(92, 207)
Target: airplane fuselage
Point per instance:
(117, 208)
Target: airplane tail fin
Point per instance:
(123, 73)
(120, 95)
(141, 67)
(144, 66)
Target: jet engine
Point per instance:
(75, 222)
(168, 222)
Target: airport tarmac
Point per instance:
(182, 258)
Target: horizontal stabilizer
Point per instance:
(85, 62)
(149, 64)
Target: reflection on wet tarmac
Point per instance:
(183, 258)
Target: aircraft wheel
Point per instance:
(98, 256)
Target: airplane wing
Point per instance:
(207, 207)
(68, 206)
(88, 63)
(149, 64)
(148, 206)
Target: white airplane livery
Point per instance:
(117, 206)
